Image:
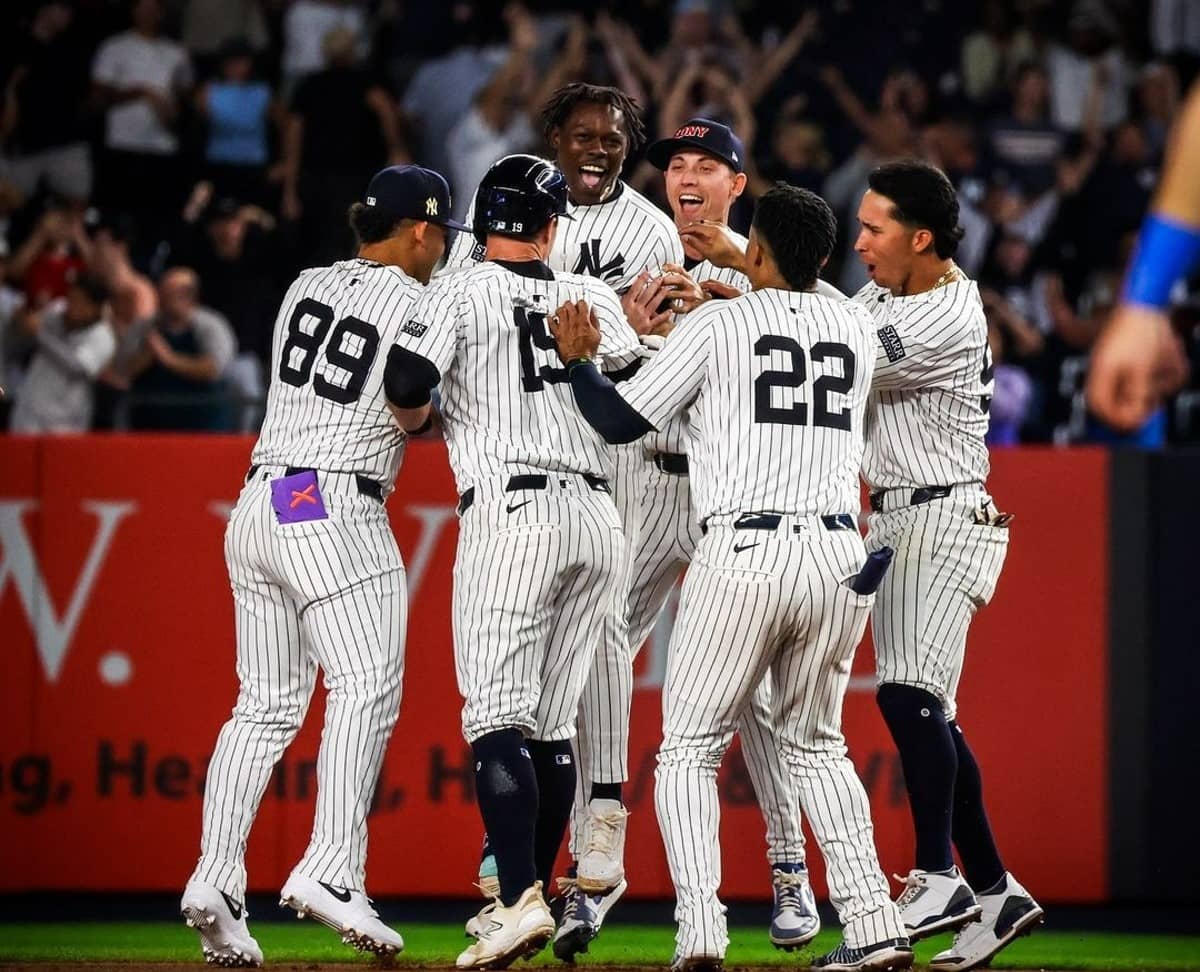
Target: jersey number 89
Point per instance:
(356, 365)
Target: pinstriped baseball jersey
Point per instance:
(932, 387)
(768, 376)
(613, 241)
(504, 393)
(326, 407)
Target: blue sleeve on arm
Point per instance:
(604, 408)
(1166, 252)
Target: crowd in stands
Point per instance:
(166, 166)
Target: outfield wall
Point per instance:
(116, 634)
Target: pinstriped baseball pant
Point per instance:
(326, 593)
(780, 606)
(666, 540)
(945, 568)
(532, 587)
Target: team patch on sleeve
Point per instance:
(415, 328)
(893, 347)
(478, 252)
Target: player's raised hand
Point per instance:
(647, 303)
(576, 330)
(720, 290)
(682, 288)
(1124, 386)
(712, 241)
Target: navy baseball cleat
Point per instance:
(889, 956)
(794, 919)
(582, 916)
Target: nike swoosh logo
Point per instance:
(235, 909)
(516, 506)
(342, 894)
(747, 546)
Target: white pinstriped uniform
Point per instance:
(775, 385)
(536, 568)
(926, 427)
(325, 592)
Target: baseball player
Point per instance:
(316, 574)
(775, 385)
(540, 549)
(703, 170)
(614, 234)
(926, 465)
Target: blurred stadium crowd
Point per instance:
(167, 165)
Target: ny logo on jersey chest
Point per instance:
(589, 262)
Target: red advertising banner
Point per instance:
(116, 633)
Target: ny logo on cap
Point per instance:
(431, 206)
(693, 131)
(370, 200)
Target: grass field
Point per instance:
(628, 945)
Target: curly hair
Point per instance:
(799, 229)
(921, 196)
(562, 102)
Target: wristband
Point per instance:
(1166, 252)
(574, 363)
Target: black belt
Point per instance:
(771, 521)
(922, 494)
(530, 481)
(367, 487)
(671, 462)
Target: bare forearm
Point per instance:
(1178, 196)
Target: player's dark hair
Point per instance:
(799, 229)
(562, 102)
(921, 197)
(372, 226)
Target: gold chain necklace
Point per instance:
(950, 276)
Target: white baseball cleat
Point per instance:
(935, 901)
(794, 918)
(582, 916)
(1007, 914)
(504, 935)
(221, 923)
(697, 963)
(602, 864)
(347, 912)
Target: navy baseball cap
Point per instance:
(702, 135)
(411, 192)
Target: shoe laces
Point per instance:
(913, 885)
(603, 831)
(567, 888)
(789, 890)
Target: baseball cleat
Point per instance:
(602, 864)
(582, 916)
(935, 901)
(504, 935)
(888, 956)
(347, 912)
(221, 923)
(794, 918)
(1007, 915)
(697, 963)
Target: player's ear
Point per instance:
(739, 184)
(555, 138)
(922, 240)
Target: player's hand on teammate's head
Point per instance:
(647, 303)
(713, 242)
(1125, 375)
(719, 290)
(682, 288)
(576, 330)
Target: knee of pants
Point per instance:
(285, 719)
(705, 756)
(899, 702)
(813, 754)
